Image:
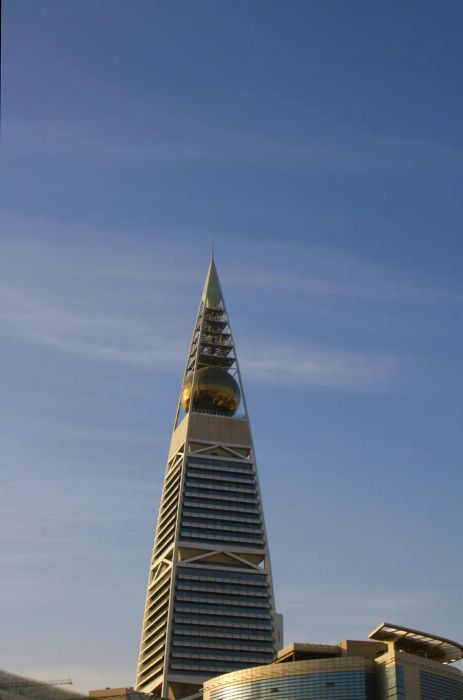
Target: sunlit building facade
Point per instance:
(210, 605)
(397, 664)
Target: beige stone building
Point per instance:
(396, 664)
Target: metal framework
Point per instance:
(210, 605)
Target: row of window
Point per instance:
(216, 608)
(213, 633)
(236, 472)
(215, 667)
(209, 528)
(229, 519)
(208, 578)
(241, 475)
(224, 504)
(223, 621)
(224, 529)
(225, 646)
(257, 595)
(220, 536)
(218, 643)
(201, 573)
(222, 600)
(257, 657)
(233, 514)
(208, 472)
(207, 461)
(227, 486)
(221, 524)
(220, 477)
(342, 685)
(434, 687)
(234, 496)
(223, 510)
(224, 588)
(245, 475)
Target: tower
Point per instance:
(209, 606)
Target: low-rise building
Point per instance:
(397, 663)
(121, 694)
(15, 687)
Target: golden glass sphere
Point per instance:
(216, 391)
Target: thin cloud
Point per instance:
(127, 309)
(113, 337)
(336, 369)
(299, 138)
(333, 611)
(120, 339)
(327, 273)
(103, 435)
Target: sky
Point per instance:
(319, 147)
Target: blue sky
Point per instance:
(319, 146)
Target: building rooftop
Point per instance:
(15, 687)
(300, 651)
(121, 693)
(405, 639)
(421, 643)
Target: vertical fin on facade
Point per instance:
(210, 606)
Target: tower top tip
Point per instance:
(212, 292)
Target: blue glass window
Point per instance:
(435, 687)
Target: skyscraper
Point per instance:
(209, 606)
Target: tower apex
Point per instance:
(212, 293)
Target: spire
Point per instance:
(211, 375)
(212, 292)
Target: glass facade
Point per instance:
(223, 616)
(434, 687)
(336, 685)
(220, 503)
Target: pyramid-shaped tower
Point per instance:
(209, 606)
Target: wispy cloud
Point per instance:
(333, 611)
(117, 338)
(97, 434)
(322, 368)
(296, 137)
(130, 309)
(72, 144)
(100, 334)
(128, 306)
(324, 272)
